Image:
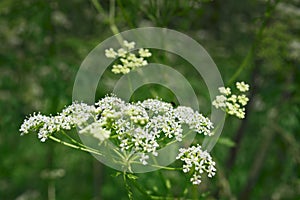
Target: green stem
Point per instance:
(185, 135)
(74, 141)
(113, 26)
(109, 17)
(159, 166)
(130, 86)
(167, 168)
(74, 146)
(127, 186)
(99, 8)
(141, 190)
(111, 146)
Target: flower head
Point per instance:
(241, 86)
(232, 104)
(225, 91)
(129, 45)
(128, 60)
(110, 53)
(122, 52)
(220, 101)
(144, 53)
(141, 127)
(199, 160)
(243, 100)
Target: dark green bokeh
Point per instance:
(44, 42)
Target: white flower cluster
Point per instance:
(242, 86)
(231, 103)
(196, 159)
(128, 61)
(141, 127)
(76, 114)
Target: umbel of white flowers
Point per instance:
(128, 60)
(141, 127)
(233, 104)
(199, 160)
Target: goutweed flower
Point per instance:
(76, 114)
(142, 127)
(138, 129)
(128, 60)
(241, 86)
(198, 161)
(233, 104)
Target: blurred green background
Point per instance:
(44, 42)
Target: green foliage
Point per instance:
(44, 42)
